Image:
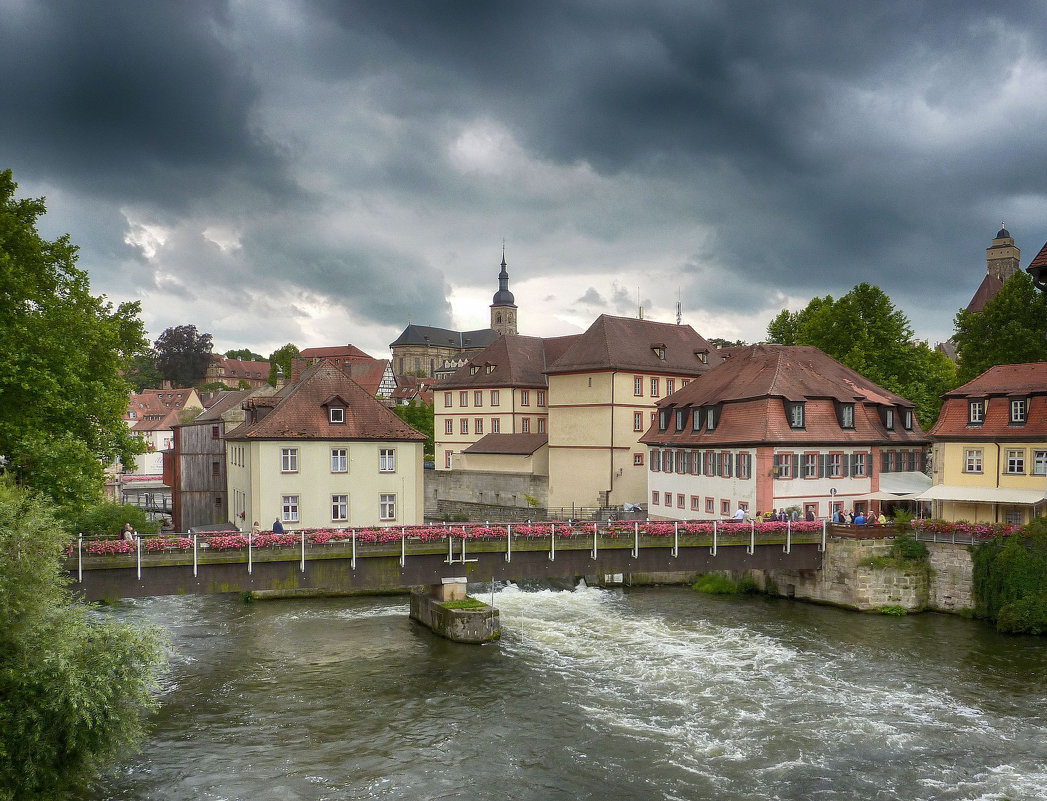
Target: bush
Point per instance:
(893, 611)
(106, 519)
(1010, 580)
(716, 584)
(747, 586)
(907, 548)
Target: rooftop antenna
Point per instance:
(679, 307)
(639, 308)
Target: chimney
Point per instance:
(297, 365)
(281, 382)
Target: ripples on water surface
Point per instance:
(658, 693)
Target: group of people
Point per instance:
(856, 518)
(860, 518)
(778, 516)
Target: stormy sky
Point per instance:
(322, 172)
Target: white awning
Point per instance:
(1020, 497)
(907, 486)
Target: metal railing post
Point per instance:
(788, 536)
(195, 559)
(596, 531)
(138, 542)
(250, 554)
(552, 542)
(636, 539)
(509, 542)
(715, 532)
(303, 550)
(80, 558)
(353, 563)
(825, 526)
(752, 538)
(403, 546)
(450, 547)
(676, 538)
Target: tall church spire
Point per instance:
(503, 305)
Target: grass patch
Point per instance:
(715, 584)
(907, 553)
(893, 611)
(465, 603)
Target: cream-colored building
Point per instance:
(324, 453)
(990, 448)
(602, 395)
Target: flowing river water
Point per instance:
(591, 694)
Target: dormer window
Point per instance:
(1019, 409)
(703, 356)
(976, 412)
(490, 369)
(888, 419)
(796, 415)
(659, 351)
(710, 419)
(681, 419)
(908, 420)
(847, 415)
(336, 414)
(696, 423)
(663, 419)
(473, 369)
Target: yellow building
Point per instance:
(990, 448)
(323, 453)
(602, 395)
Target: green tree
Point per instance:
(423, 418)
(281, 357)
(1011, 329)
(244, 354)
(74, 684)
(61, 419)
(865, 331)
(142, 372)
(182, 355)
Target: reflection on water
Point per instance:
(658, 693)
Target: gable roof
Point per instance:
(445, 337)
(299, 413)
(986, 291)
(366, 372)
(514, 360)
(1004, 381)
(239, 368)
(340, 351)
(627, 343)
(510, 444)
(225, 400)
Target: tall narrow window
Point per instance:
(637, 421)
(339, 508)
(448, 426)
(387, 460)
(387, 506)
(1018, 408)
(494, 397)
(478, 425)
(541, 425)
(638, 385)
(847, 415)
(463, 398)
(289, 508)
(289, 460)
(654, 387)
(976, 412)
(525, 397)
(464, 425)
(447, 400)
(796, 415)
(496, 425)
(541, 398)
(339, 460)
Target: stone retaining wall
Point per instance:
(952, 584)
(483, 496)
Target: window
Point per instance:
(339, 460)
(709, 463)
(696, 463)
(638, 386)
(681, 419)
(478, 425)
(387, 460)
(463, 398)
(888, 419)
(637, 421)
(976, 412)
(1039, 463)
(656, 460)
(496, 425)
(972, 460)
(489, 369)
(725, 508)
(387, 506)
(683, 461)
(218, 501)
(858, 465)
(336, 414)
(796, 415)
(669, 461)
(447, 459)
(654, 387)
(1018, 408)
(1016, 460)
(696, 421)
(541, 425)
(216, 432)
(696, 503)
(835, 465)
(654, 497)
(659, 351)
(289, 460)
(463, 425)
(525, 425)
(478, 398)
(908, 420)
(810, 465)
(494, 397)
(783, 465)
(681, 500)
(289, 507)
(340, 507)
(1014, 516)
(725, 465)
(663, 419)
(710, 418)
(448, 426)
(447, 400)
(216, 469)
(637, 458)
(525, 397)
(473, 369)
(710, 505)
(541, 398)
(670, 386)
(847, 415)
(745, 466)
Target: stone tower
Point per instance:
(1002, 257)
(503, 306)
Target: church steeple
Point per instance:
(1002, 257)
(503, 305)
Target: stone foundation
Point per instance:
(461, 625)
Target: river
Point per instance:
(657, 693)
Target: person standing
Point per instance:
(278, 527)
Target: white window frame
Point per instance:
(448, 400)
(464, 425)
(387, 460)
(1039, 463)
(290, 511)
(859, 465)
(387, 506)
(525, 397)
(834, 465)
(541, 425)
(289, 460)
(783, 465)
(496, 425)
(976, 411)
(1019, 410)
(478, 425)
(637, 421)
(449, 425)
(638, 386)
(339, 460)
(796, 415)
(541, 398)
(810, 465)
(1015, 461)
(495, 397)
(478, 398)
(888, 418)
(525, 425)
(340, 508)
(336, 414)
(973, 460)
(847, 416)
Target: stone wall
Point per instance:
(483, 496)
(952, 585)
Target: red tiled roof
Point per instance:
(340, 351)
(1002, 382)
(626, 343)
(515, 444)
(366, 372)
(238, 368)
(299, 412)
(753, 386)
(986, 291)
(1041, 258)
(514, 361)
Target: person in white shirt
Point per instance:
(740, 514)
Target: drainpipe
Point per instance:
(614, 373)
(999, 467)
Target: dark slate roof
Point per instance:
(627, 343)
(226, 400)
(445, 338)
(986, 291)
(512, 444)
(299, 412)
(515, 361)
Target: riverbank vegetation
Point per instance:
(723, 584)
(75, 685)
(1010, 580)
(906, 554)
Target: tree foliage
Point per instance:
(423, 418)
(867, 333)
(1011, 329)
(182, 355)
(244, 354)
(61, 420)
(74, 685)
(1010, 580)
(281, 357)
(142, 372)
